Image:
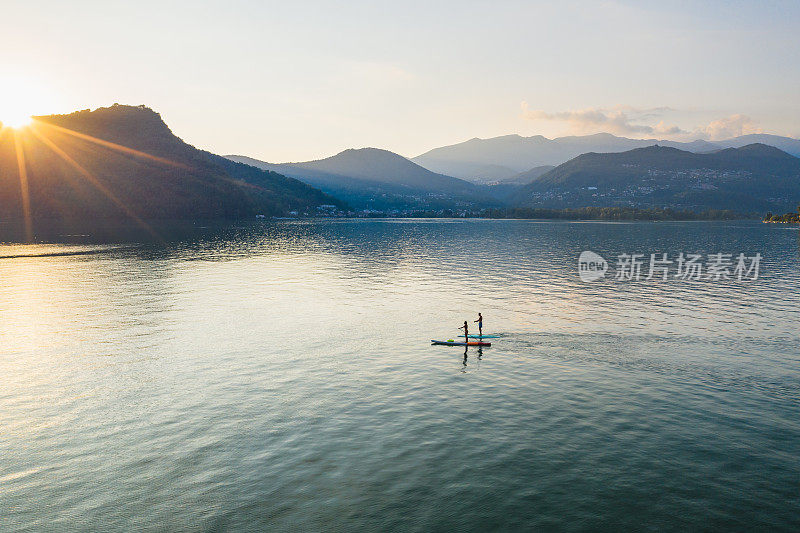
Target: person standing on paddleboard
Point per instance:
(480, 325)
(466, 331)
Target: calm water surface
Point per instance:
(279, 376)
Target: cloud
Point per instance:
(623, 120)
(638, 122)
(732, 126)
(663, 128)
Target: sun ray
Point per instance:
(93, 180)
(23, 185)
(139, 153)
(113, 146)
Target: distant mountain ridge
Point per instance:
(751, 178)
(371, 177)
(499, 158)
(123, 162)
(529, 176)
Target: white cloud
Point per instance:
(637, 122)
(663, 128)
(732, 126)
(623, 120)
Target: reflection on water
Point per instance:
(279, 374)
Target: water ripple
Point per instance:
(279, 376)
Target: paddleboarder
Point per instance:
(480, 326)
(466, 331)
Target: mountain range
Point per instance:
(502, 158)
(371, 178)
(123, 162)
(752, 178)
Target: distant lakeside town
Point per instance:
(585, 213)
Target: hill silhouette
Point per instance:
(123, 162)
(499, 158)
(529, 176)
(371, 177)
(752, 178)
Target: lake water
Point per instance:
(279, 376)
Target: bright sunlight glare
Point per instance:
(16, 121)
(20, 99)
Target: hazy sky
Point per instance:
(300, 80)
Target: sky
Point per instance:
(293, 81)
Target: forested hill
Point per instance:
(753, 178)
(123, 162)
(501, 158)
(375, 178)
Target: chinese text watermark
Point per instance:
(661, 267)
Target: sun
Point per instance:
(17, 121)
(20, 99)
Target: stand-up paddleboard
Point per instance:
(483, 336)
(461, 343)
